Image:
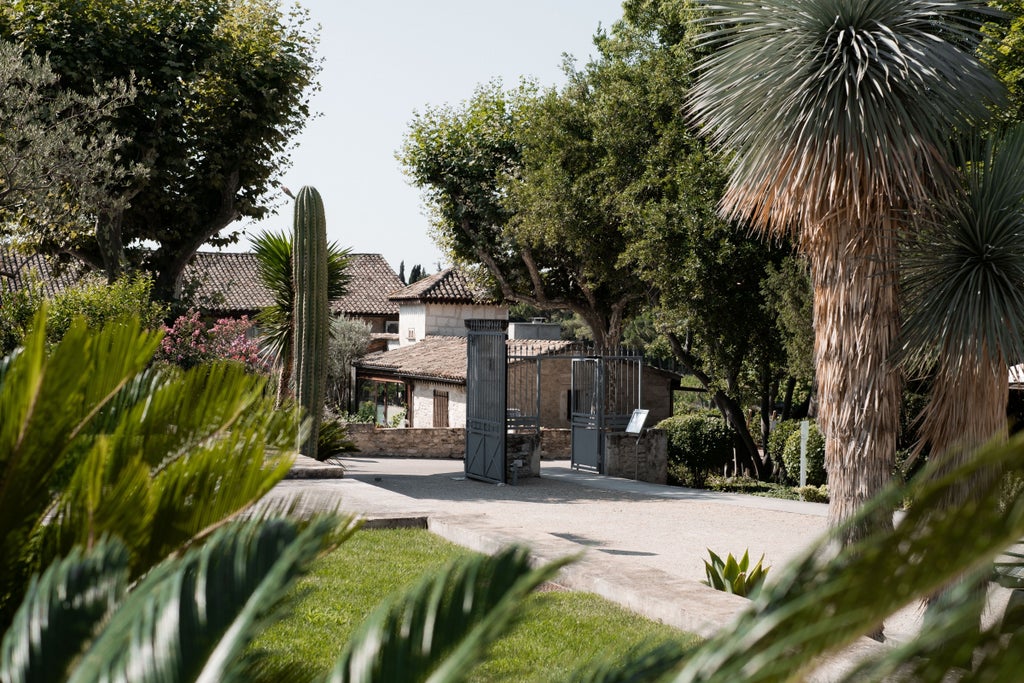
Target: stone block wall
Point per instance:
(522, 457)
(522, 450)
(644, 461)
(555, 444)
(409, 443)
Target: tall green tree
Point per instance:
(484, 168)
(835, 114)
(658, 182)
(58, 152)
(222, 90)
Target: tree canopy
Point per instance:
(528, 213)
(222, 89)
(57, 149)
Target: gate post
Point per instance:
(486, 386)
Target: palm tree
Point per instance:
(273, 252)
(835, 114)
(965, 298)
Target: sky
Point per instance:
(386, 59)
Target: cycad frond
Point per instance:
(824, 601)
(158, 487)
(61, 612)
(48, 402)
(192, 617)
(441, 628)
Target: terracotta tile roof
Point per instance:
(229, 281)
(444, 358)
(450, 286)
(372, 282)
(17, 270)
(234, 276)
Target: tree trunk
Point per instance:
(787, 402)
(747, 454)
(766, 411)
(856, 323)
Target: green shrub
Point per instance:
(815, 457)
(333, 439)
(698, 442)
(813, 494)
(16, 311)
(367, 413)
(101, 303)
(777, 439)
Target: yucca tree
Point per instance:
(964, 286)
(835, 116)
(273, 252)
(95, 442)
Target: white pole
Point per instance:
(805, 427)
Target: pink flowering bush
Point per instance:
(189, 342)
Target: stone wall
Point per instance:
(522, 457)
(644, 461)
(522, 450)
(555, 444)
(408, 443)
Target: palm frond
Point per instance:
(61, 611)
(273, 252)
(441, 628)
(837, 107)
(192, 617)
(645, 663)
(827, 599)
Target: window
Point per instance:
(391, 327)
(440, 408)
(412, 334)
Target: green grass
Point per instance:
(559, 631)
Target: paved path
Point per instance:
(641, 545)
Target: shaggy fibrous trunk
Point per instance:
(856, 323)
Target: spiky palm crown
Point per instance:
(836, 107)
(964, 272)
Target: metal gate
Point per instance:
(486, 379)
(587, 444)
(604, 392)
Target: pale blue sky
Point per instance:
(385, 59)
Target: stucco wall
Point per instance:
(449, 320)
(423, 404)
(411, 317)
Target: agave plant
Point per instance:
(735, 576)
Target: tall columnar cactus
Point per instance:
(311, 315)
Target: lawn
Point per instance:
(559, 631)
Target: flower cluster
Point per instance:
(190, 342)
